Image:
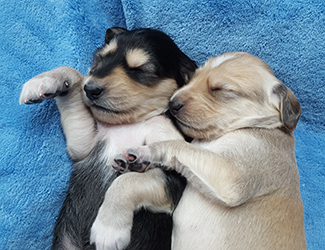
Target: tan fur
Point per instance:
(243, 183)
(126, 101)
(102, 233)
(129, 181)
(136, 58)
(109, 109)
(77, 121)
(225, 100)
(129, 101)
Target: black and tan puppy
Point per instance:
(243, 183)
(121, 103)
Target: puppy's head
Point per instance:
(134, 74)
(234, 91)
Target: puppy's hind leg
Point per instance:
(128, 193)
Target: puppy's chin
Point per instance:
(206, 134)
(109, 116)
(118, 117)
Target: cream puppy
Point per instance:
(243, 183)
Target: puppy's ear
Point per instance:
(288, 105)
(111, 32)
(187, 68)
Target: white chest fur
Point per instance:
(122, 137)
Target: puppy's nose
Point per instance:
(93, 91)
(175, 107)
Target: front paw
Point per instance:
(108, 237)
(136, 160)
(44, 86)
(120, 164)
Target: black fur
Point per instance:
(166, 59)
(89, 181)
(91, 177)
(153, 231)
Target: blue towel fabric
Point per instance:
(37, 36)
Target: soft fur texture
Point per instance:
(243, 187)
(121, 102)
(37, 36)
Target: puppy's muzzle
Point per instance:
(93, 91)
(175, 107)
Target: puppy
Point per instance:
(119, 104)
(243, 184)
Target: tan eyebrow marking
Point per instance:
(136, 57)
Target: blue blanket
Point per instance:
(38, 35)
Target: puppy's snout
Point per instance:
(175, 107)
(93, 91)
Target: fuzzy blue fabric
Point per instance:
(38, 35)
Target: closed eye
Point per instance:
(145, 68)
(223, 87)
(216, 89)
(148, 67)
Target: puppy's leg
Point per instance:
(212, 174)
(48, 85)
(130, 192)
(65, 85)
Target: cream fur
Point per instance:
(243, 183)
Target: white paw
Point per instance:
(42, 87)
(139, 159)
(108, 237)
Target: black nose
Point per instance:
(175, 107)
(93, 91)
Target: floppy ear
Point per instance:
(111, 32)
(187, 68)
(289, 106)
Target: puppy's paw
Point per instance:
(136, 160)
(120, 164)
(41, 87)
(139, 159)
(108, 237)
